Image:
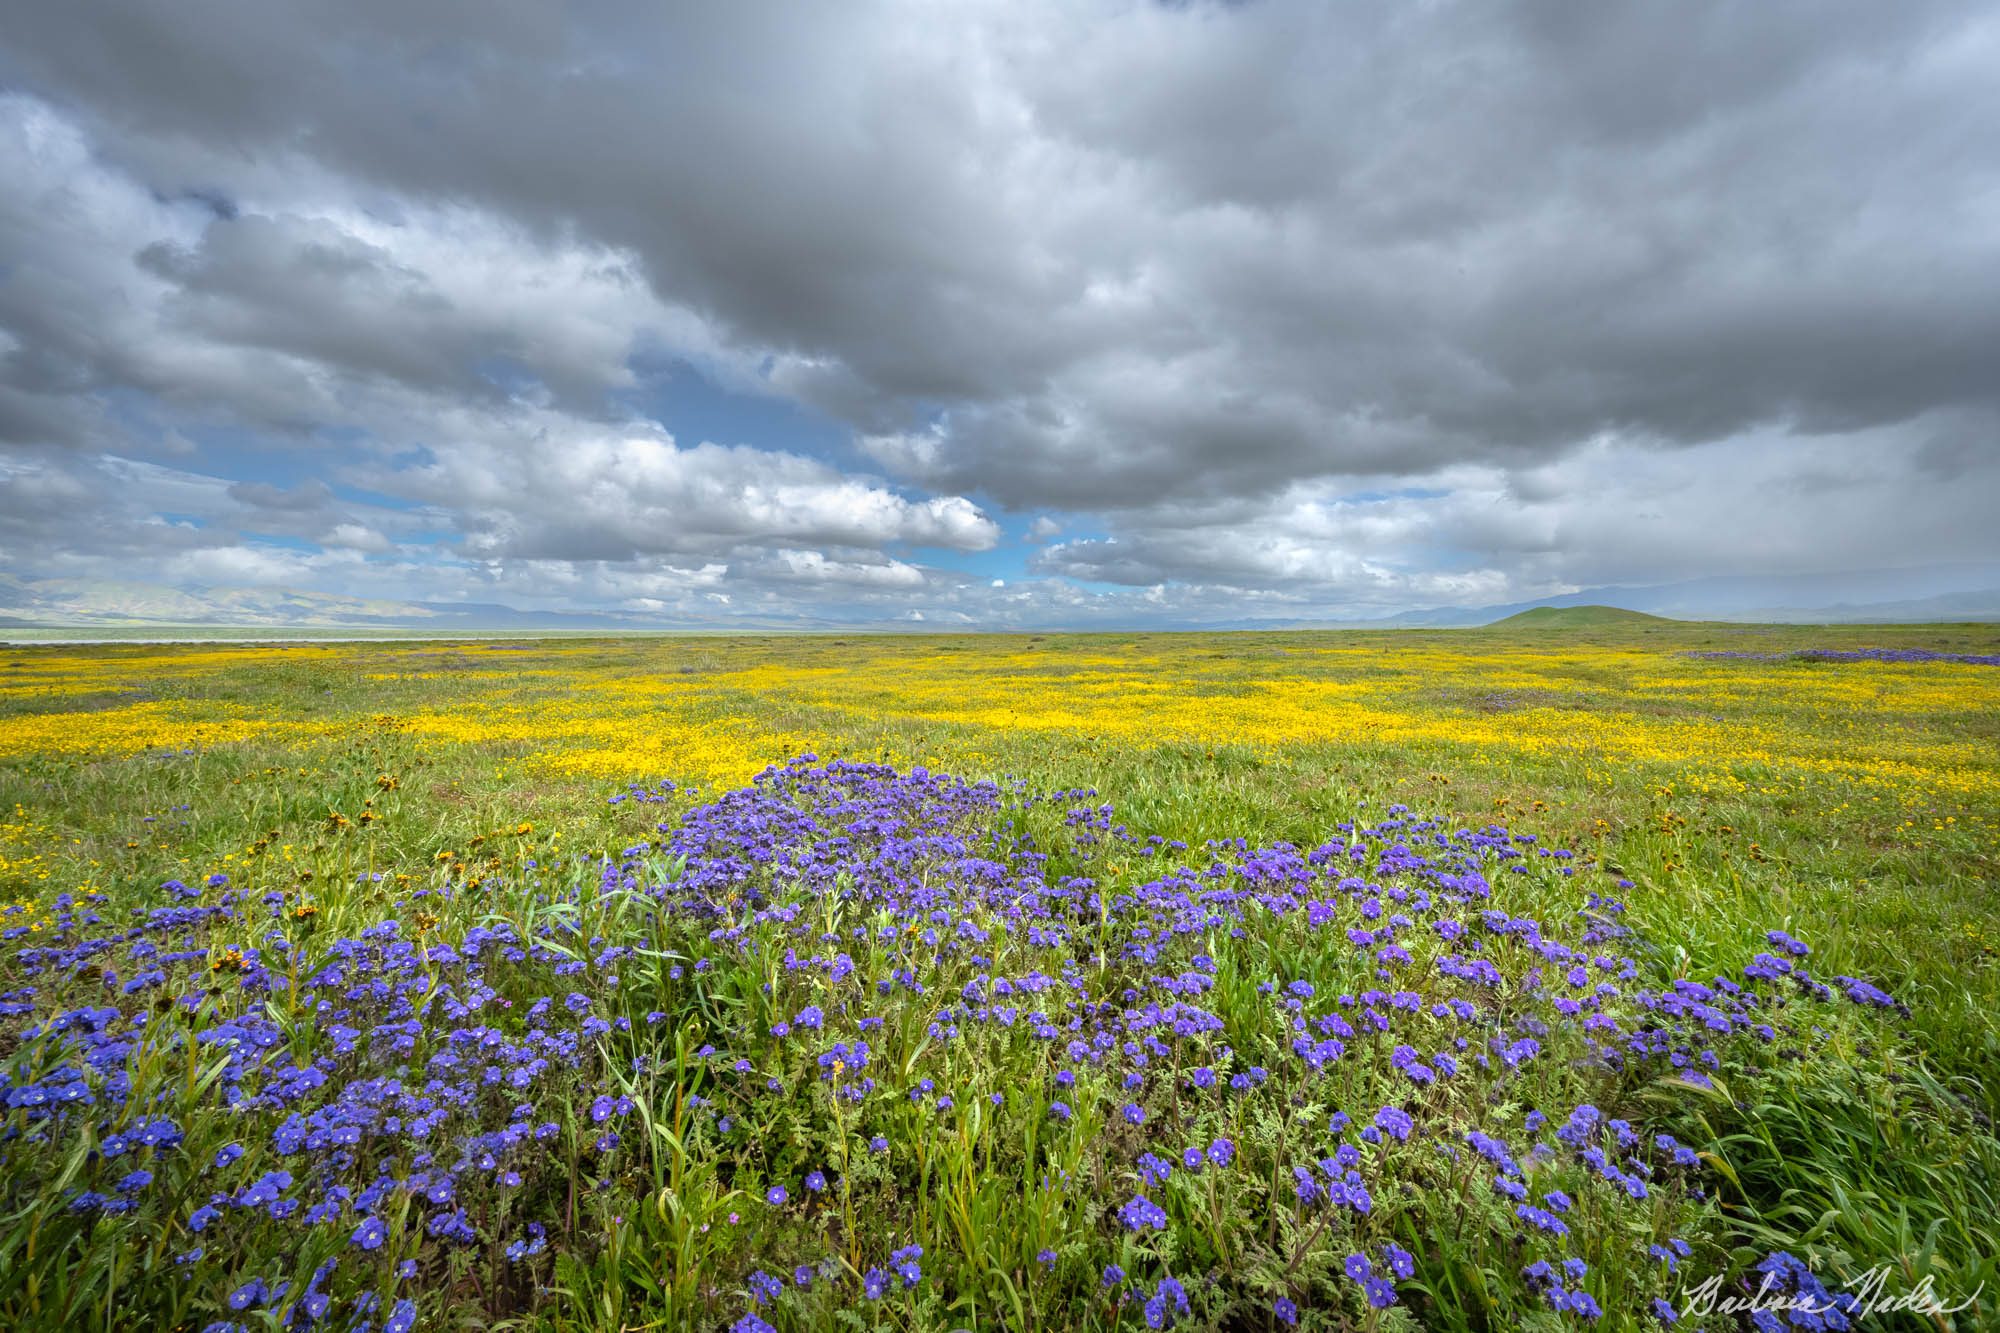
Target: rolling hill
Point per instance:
(1578, 617)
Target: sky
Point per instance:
(1002, 313)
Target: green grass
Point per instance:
(1872, 1145)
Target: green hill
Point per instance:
(1577, 617)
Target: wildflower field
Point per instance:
(1455, 980)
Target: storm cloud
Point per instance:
(1341, 309)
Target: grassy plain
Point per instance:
(1853, 805)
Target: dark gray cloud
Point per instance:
(1772, 503)
(306, 497)
(1195, 277)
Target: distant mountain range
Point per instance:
(101, 604)
(1939, 593)
(1943, 593)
